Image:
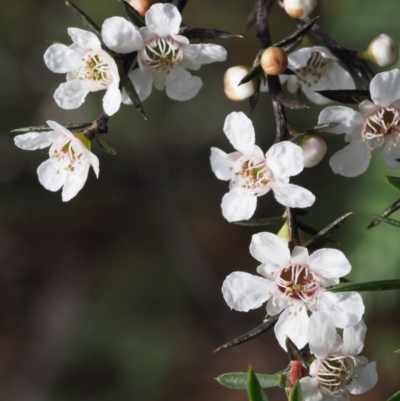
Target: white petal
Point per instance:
(243, 291)
(392, 156)
(299, 256)
(299, 58)
(34, 140)
(270, 250)
(349, 119)
(367, 108)
(240, 131)
(121, 35)
(75, 181)
(293, 84)
(142, 81)
(385, 88)
(268, 271)
(238, 204)
(276, 304)
(309, 389)
(353, 339)
(329, 263)
(204, 53)
(292, 195)
(71, 94)
(85, 39)
(363, 379)
(181, 85)
(293, 326)
(285, 159)
(52, 175)
(112, 99)
(321, 334)
(352, 160)
(222, 163)
(60, 58)
(58, 128)
(346, 308)
(163, 19)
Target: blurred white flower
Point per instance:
(374, 130)
(314, 149)
(69, 162)
(253, 174)
(383, 51)
(232, 89)
(299, 8)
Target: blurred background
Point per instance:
(115, 295)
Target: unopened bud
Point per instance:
(299, 8)
(284, 234)
(314, 150)
(232, 89)
(274, 61)
(141, 6)
(383, 51)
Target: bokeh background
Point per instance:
(115, 295)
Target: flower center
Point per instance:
(161, 54)
(313, 71)
(382, 128)
(96, 70)
(65, 154)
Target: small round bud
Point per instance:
(314, 150)
(383, 51)
(232, 89)
(141, 6)
(299, 8)
(274, 61)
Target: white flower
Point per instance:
(299, 8)
(383, 51)
(294, 284)
(317, 69)
(253, 174)
(164, 55)
(338, 370)
(88, 67)
(314, 149)
(69, 162)
(232, 89)
(374, 130)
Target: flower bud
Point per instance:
(284, 234)
(383, 51)
(141, 6)
(274, 61)
(232, 89)
(314, 149)
(299, 8)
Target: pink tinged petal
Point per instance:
(238, 204)
(205, 53)
(270, 250)
(276, 304)
(329, 263)
(345, 308)
(392, 155)
(121, 36)
(84, 39)
(142, 81)
(163, 19)
(52, 175)
(75, 181)
(353, 339)
(222, 163)
(299, 256)
(71, 94)
(321, 334)
(93, 160)
(293, 325)
(367, 108)
(240, 131)
(385, 88)
(352, 160)
(112, 99)
(309, 389)
(285, 159)
(181, 85)
(61, 59)
(34, 140)
(367, 378)
(243, 291)
(349, 119)
(292, 195)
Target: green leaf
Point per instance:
(86, 21)
(397, 351)
(131, 92)
(202, 33)
(254, 72)
(260, 222)
(254, 97)
(42, 128)
(108, 149)
(392, 222)
(381, 285)
(394, 397)
(295, 394)
(254, 390)
(238, 380)
(292, 104)
(346, 96)
(387, 212)
(394, 182)
(133, 14)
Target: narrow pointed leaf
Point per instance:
(262, 328)
(387, 212)
(296, 394)
(293, 352)
(295, 38)
(254, 390)
(202, 33)
(346, 96)
(131, 91)
(254, 97)
(260, 222)
(395, 397)
(387, 220)
(238, 380)
(181, 5)
(396, 352)
(39, 128)
(86, 21)
(324, 127)
(108, 149)
(319, 240)
(312, 231)
(382, 285)
(254, 72)
(132, 14)
(291, 103)
(394, 182)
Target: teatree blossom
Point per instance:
(253, 174)
(70, 158)
(374, 130)
(294, 284)
(164, 55)
(316, 69)
(338, 369)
